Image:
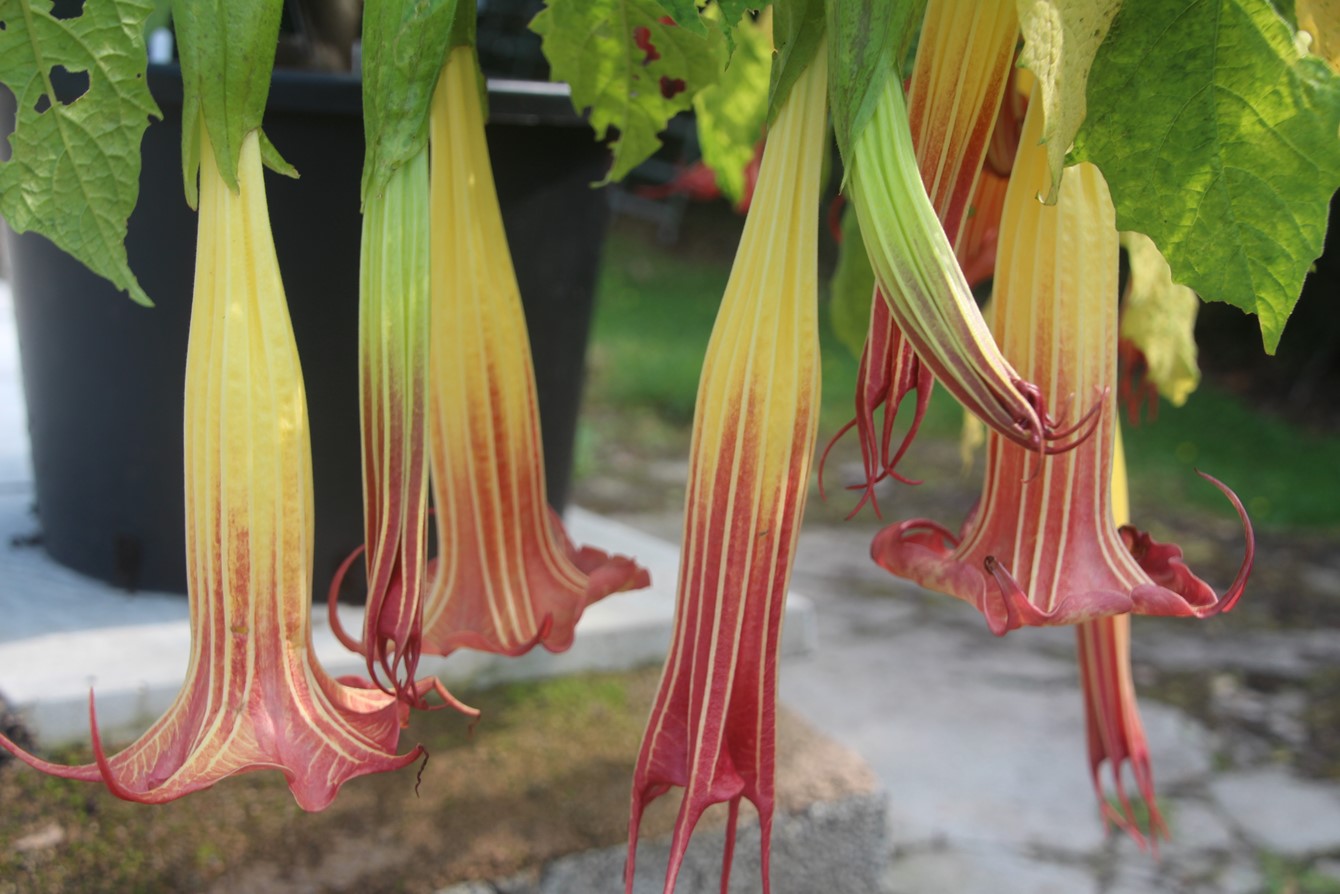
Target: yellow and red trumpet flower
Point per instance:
(967, 48)
(393, 397)
(1042, 548)
(712, 729)
(952, 115)
(506, 577)
(255, 696)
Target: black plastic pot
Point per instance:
(103, 377)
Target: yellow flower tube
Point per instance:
(506, 578)
(255, 696)
(712, 729)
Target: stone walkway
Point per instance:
(979, 742)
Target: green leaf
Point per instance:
(1060, 40)
(797, 31)
(591, 45)
(730, 16)
(852, 287)
(227, 51)
(404, 48)
(867, 42)
(730, 113)
(463, 26)
(1220, 141)
(733, 10)
(74, 169)
(685, 13)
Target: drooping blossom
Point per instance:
(961, 72)
(1116, 737)
(1041, 547)
(712, 728)
(506, 577)
(255, 696)
(968, 48)
(393, 397)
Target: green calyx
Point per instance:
(227, 50)
(405, 44)
(868, 40)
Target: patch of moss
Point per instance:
(545, 772)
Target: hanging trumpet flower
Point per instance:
(255, 696)
(713, 724)
(506, 578)
(404, 44)
(960, 75)
(928, 297)
(393, 335)
(1041, 547)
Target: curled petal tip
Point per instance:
(333, 601)
(1239, 584)
(1178, 591)
(104, 764)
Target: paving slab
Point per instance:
(984, 868)
(975, 738)
(1279, 812)
(1199, 826)
(63, 633)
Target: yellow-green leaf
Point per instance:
(798, 28)
(1060, 40)
(730, 113)
(404, 49)
(227, 51)
(1159, 316)
(74, 169)
(867, 42)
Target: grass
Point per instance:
(1285, 476)
(655, 312)
(654, 315)
(1285, 876)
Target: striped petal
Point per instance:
(712, 728)
(506, 578)
(393, 362)
(254, 696)
(1041, 548)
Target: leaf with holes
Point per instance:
(1220, 139)
(633, 71)
(74, 170)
